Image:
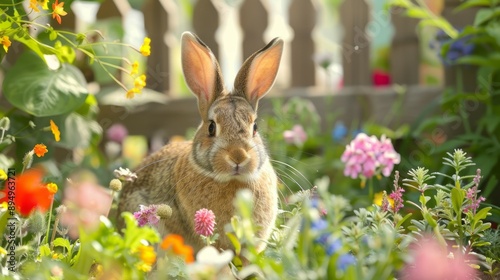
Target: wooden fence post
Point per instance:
(205, 23)
(355, 15)
(404, 58)
(159, 16)
(253, 21)
(302, 20)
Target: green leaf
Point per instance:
(44, 250)
(32, 87)
(429, 219)
(78, 131)
(62, 242)
(457, 199)
(482, 214)
(236, 243)
(472, 3)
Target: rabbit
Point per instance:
(226, 155)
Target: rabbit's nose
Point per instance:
(239, 156)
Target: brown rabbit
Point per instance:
(225, 156)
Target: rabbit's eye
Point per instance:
(254, 129)
(211, 129)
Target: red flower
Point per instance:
(27, 192)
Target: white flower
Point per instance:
(125, 174)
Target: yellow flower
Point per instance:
(40, 150)
(147, 254)
(33, 5)
(135, 68)
(146, 48)
(55, 131)
(4, 205)
(131, 93)
(144, 267)
(378, 197)
(140, 82)
(5, 41)
(58, 11)
(44, 4)
(3, 175)
(52, 187)
(3, 252)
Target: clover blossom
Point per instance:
(147, 215)
(204, 222)
(367, 156)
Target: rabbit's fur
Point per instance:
(208, 171)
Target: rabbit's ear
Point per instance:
(258, 73)
(201, 71)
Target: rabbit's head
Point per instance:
(227, 144)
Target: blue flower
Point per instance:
(319, 224)
(345, 260)
(459, 48)
(333, 247)
(339, 131)
(322, 239)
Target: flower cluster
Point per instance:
(147, 215)
(367, 156)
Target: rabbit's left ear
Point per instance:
(258, 73)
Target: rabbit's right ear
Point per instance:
(201, 71)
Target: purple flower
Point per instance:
(204, 222)
(147, 215)
(366, 156)
(295, 136)
(345, 260)
(117, 133)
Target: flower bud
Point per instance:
(115, 185)
(4, 123)
(36, 223)
(164, 211)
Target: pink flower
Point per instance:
(295, 136)
(432, 261)
(117, 133)
(147, 215)
(397, 194)
(85, 203)
(366, 156)
(473, 200)
(204, 222)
